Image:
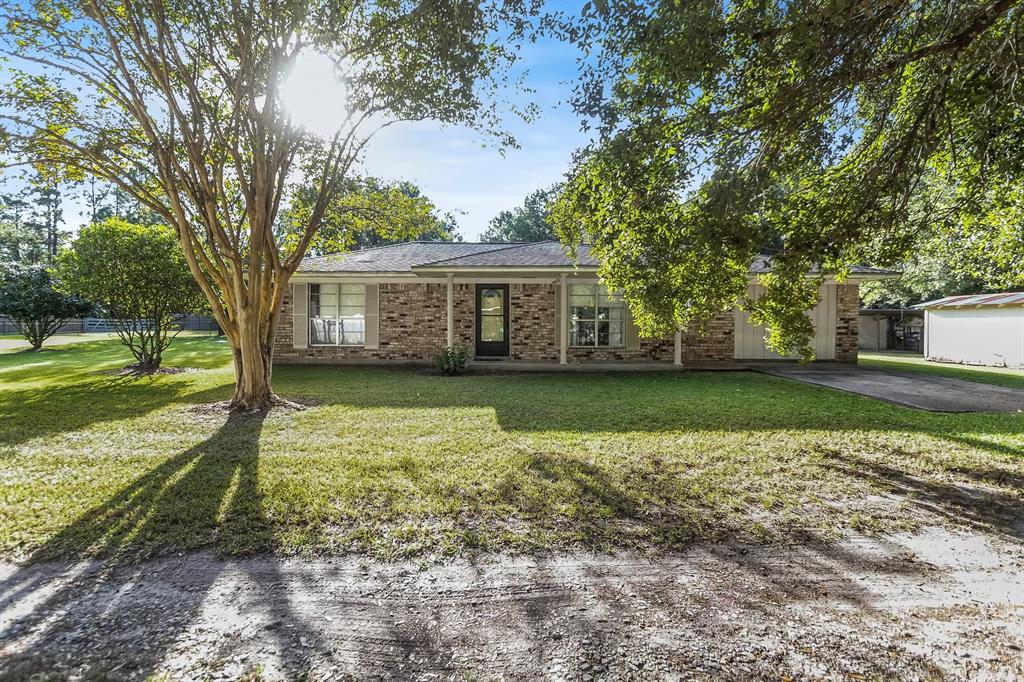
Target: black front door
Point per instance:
(492, 320)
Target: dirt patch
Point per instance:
(134, 371)
(224, 407)
(940, 603)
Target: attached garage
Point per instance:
(750, 338)
(986, 329)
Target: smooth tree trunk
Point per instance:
(254, 358)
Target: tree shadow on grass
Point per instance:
(205, 496)
(577, 408)
(976, 504)
(38, 412)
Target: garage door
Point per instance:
(750, 343)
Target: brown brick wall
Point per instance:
(533, 314)
(713, 343)
(847, 321)
(413, 328)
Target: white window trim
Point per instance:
(596, 286)
(336, 318)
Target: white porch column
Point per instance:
(451, 309)
(678, 359)
(563, 307)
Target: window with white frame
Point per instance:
(337, 314)
(596, 316)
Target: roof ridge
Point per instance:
(369, 248)
(501, 246)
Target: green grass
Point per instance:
(398, 463)
(905, 362)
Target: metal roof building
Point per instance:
(976, 329)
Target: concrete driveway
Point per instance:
(921, 391)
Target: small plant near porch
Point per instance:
(452, 360)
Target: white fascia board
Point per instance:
(367, 277)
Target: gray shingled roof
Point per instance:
(412, 256)
(394, 257)
(535, 255)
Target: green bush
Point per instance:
(138, 274)
(452, 360)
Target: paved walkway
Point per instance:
(924, 392)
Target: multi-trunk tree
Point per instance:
(179, 103)
(799, 128)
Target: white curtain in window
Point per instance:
(337, 314)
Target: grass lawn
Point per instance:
(17, 342)
(907, 362)
(398, 463)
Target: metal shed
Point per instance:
(982, 329)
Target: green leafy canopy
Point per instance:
(133, 271)
(28, 296)
(801, 129)
(527, 223)
(139, 277)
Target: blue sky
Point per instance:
(460, 175)
(452, 165)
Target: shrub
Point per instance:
(137, 273)
(38, 310)
(452, 360)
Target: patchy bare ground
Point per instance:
(937, 604)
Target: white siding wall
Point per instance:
(976, 336)
(750, 343)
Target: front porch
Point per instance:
(512, 365)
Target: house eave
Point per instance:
(526, 271)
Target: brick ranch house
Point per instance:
(527, 302)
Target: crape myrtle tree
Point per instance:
(801, 128)
(179, 104)
(28, 297)
(137, 273)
